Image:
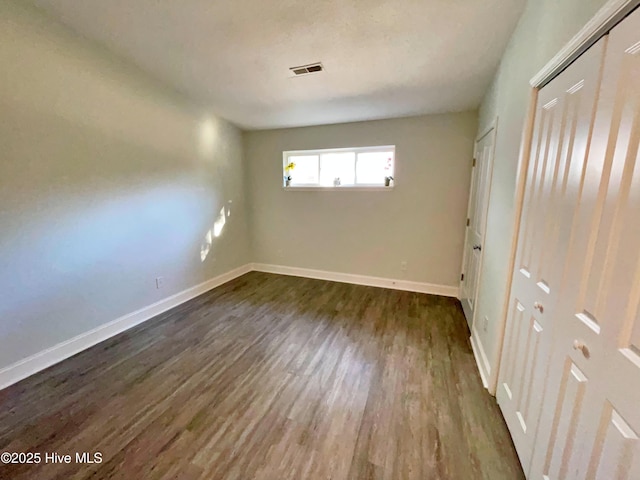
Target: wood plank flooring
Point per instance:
(270, 377)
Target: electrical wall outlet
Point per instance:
(159, 282)
(485, 324)
(403, 266)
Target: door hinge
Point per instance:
(468, 222)
(462, 277)
(474, 162)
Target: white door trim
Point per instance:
(493, 126)
(602, 22)
(521, 175)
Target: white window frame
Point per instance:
(356, 150)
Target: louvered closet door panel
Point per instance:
(591, 420)
(563, 124)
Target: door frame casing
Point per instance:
(493, 126)
(609, 15)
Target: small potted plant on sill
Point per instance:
(287, 173)
(387, 168)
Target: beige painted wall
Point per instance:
(107, 181)
(369, 233)
(545, 27)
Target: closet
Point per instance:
(569, 385)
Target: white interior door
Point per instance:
(476, 222)
(590, 424)
(563, 123)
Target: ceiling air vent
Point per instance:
(306, 69)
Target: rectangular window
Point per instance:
(360, 167)
(307, 169)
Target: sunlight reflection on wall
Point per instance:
(215, 231)
(208, 137)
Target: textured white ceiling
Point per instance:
(383, 58)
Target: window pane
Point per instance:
(305, 171)
(339, 166)
(373, 167)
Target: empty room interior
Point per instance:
(357, 239)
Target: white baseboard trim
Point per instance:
(44, 359)
(481, 358)
(443, 290)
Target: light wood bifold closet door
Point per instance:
(570, 385)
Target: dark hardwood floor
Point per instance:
(270, 377)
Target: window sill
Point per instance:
(341, 189)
